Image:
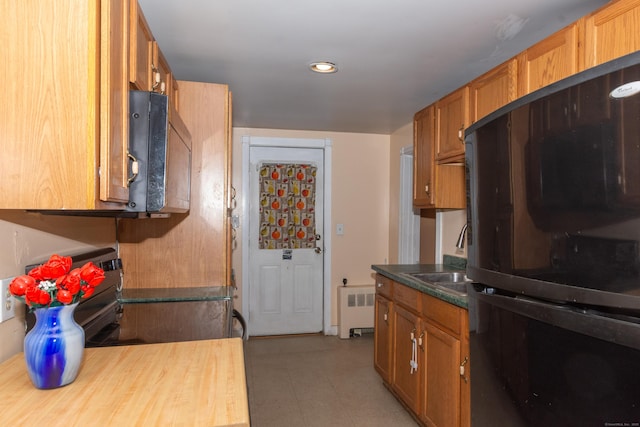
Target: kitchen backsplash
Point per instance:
(454, 261)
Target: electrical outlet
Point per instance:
(7, 302)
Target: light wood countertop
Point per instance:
(193, 383)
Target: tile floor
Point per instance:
(309, 381)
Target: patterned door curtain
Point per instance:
(287, 206)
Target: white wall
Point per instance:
(449, 225)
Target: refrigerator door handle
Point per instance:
(584, 321)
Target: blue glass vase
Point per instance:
(54, 348)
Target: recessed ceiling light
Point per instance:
(323, 67)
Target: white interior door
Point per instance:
(285, 247)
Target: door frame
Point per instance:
(275, 142)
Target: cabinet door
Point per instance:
(452, 117)
(441, 391)
(405, 382)
(140, 50)
(548, 61)
(114, 101)
(162, 70)
(423, 144)
(611, 32)
(382, 337)
(493, 90)
(70, 122)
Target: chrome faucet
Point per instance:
(463, 233)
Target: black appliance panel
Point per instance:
(553, 191)
(540, 364)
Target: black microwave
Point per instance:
(160, 153)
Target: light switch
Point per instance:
(339, 229)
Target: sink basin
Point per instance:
(448, 281)
(448, 277)
(458, 287)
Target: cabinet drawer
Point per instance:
(384, 286)
(407, 297)
(444, 314)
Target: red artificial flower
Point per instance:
(56, 266)
(54, 283)
(88, 291)
(36, 273)
(91, 274)
(20, 284)
(70, 282)
(64, 296)
(37, 296)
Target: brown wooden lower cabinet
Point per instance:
(382, 337)
(405, 380)
(437, 390)
(441, 387)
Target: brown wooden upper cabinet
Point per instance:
(140, 50)
(611, 32)
(423, 160)
(493, 90)
(548, 61)
(65, 133)
(163, 76)
(435, 186)
(148, 68)
(452, 118)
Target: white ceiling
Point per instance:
(394, 56)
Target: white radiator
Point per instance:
(355, 308)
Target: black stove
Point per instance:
(114, 316)
(99, 314)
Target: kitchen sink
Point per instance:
(454, 282)
(449, 277)
(458, 287)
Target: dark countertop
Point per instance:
(396, 272)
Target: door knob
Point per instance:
(318, 250)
